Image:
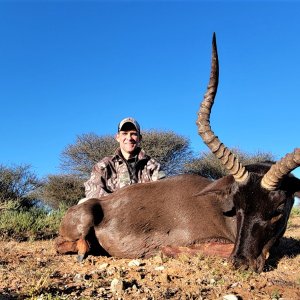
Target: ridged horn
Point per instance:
(227, 158)
(281, 168)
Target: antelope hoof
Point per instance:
(80, 257)
(83, 248)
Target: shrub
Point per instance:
(88, 149)
(171, 150)
(17, 183)
(209, 166)
(167, 147)
(33, 223)
(61, 190)
(295, 211)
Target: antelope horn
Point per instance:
(227, 158)
(287, 164)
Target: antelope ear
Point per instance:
(219, 186)
(297, 187)
(223, 189)
(292, 184)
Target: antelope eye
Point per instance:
(278, 213)
(280, 208)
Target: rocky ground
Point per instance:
(32, 270)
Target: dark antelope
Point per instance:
(248, 208)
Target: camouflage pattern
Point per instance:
(111, 174)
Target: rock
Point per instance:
(157, 259)
(103, 266)
(230, 297)
(77, 277)
(235, 284)
(134, 263)
(116, 286)
(111, 271)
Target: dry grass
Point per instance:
(32, 270)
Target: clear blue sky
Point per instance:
(74, 67)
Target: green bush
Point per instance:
(295, 211)
(33, 223)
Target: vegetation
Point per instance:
(171, 150)
(16, 184)
(167, 147)
(209, 166)
(295, 211)
(29, 223)
(57, 190)
(88, 149)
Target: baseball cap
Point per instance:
(129, 120)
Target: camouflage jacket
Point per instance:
(114, 172)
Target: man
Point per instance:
(128, 165)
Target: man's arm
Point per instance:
(155, 170)
(96, 187)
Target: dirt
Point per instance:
(32, 270)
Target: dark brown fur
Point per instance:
(137, 220)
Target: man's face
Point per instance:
(128, 139)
